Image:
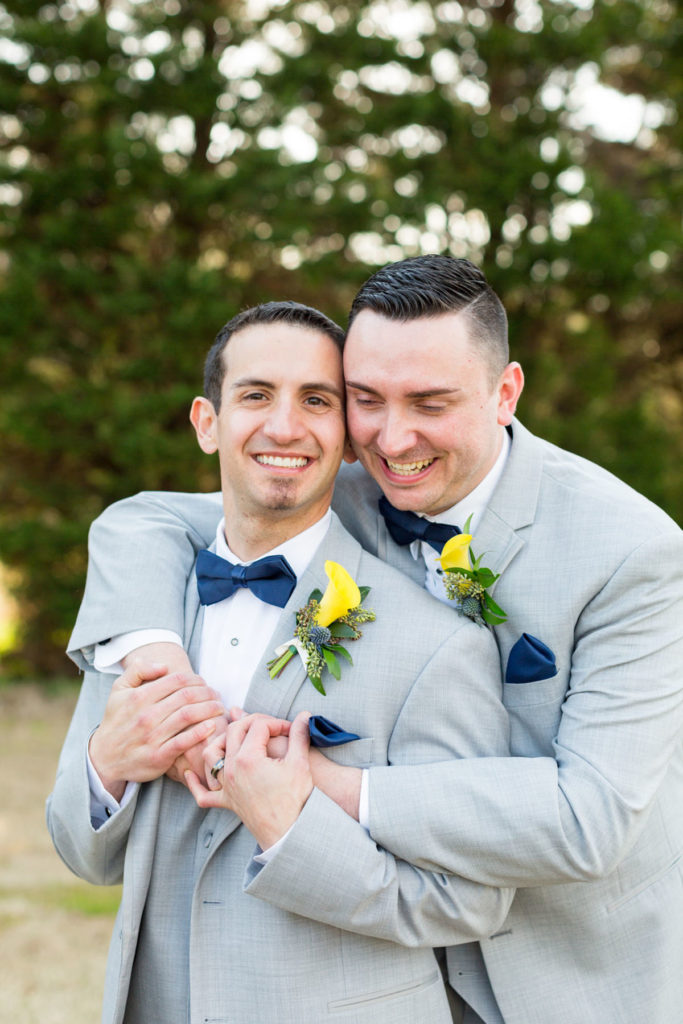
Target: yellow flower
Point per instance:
(341, 595)
(455, 553)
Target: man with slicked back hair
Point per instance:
(584, 817)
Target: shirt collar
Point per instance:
(297, 550)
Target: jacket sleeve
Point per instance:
(140, 553)
(528, 821)
(328, 868)
(92, 850)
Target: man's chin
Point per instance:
(281, 501)
(407, 495)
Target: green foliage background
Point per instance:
(158, 173)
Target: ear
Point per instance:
(510, 388)
(203, 419)
(349, 454)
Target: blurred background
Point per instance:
(164, 164)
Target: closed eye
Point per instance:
(367, 401)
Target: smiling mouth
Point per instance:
(408, 469)
(282, 461)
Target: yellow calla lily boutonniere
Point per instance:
(324, 621)
(455, 552)
(467, 581)
(341, 594)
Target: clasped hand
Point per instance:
(265, 790)
(145, 728)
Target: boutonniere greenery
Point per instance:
(467, 580)
(324, 621)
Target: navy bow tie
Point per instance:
(271, 579)
(405, 527)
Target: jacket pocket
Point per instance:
(356, 753)
(530, 660)
(643, 885)
(385, 994)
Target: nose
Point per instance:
(396, 435)
(284, 423)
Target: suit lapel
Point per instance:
(276, 696)
(499, 536)
(194, 619)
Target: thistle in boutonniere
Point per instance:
(324, 621)
(467, 580)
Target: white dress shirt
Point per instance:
(234, 637)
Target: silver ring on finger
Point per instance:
(219, 765)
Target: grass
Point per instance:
(90, 900)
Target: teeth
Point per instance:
(282, 461)
(408, 468)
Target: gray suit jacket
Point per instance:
(587, 817)
(422, 681)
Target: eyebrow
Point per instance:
(254, 382)
(427, 393)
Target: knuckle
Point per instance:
(144, 720)
(183, 714)
(190, 694)
(242, 761)
(178, 681)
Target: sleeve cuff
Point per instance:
(102, 804)
(108, 655)
(265, 856)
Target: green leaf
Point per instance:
(464, 572)
(317, 682)
(338, 649)
(486, 577)
(495, 608)
(331, 662)
(364, 591)
(340, 629)
(316, 595)
(493, 620)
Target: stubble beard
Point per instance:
(282, 496)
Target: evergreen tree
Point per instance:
(165, 164)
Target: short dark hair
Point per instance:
(285, 312)
(429, 286)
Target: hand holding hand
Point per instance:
(266, 793)
(146, 727)
(193, 759)
(277, 745)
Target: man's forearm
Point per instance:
(340, 783)
(174, 657)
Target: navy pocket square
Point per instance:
(325, 733)
(530, 660)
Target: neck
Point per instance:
(251, 536)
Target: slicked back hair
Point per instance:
(286, 312)
(424, 287)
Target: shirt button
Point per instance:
(234, 642)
